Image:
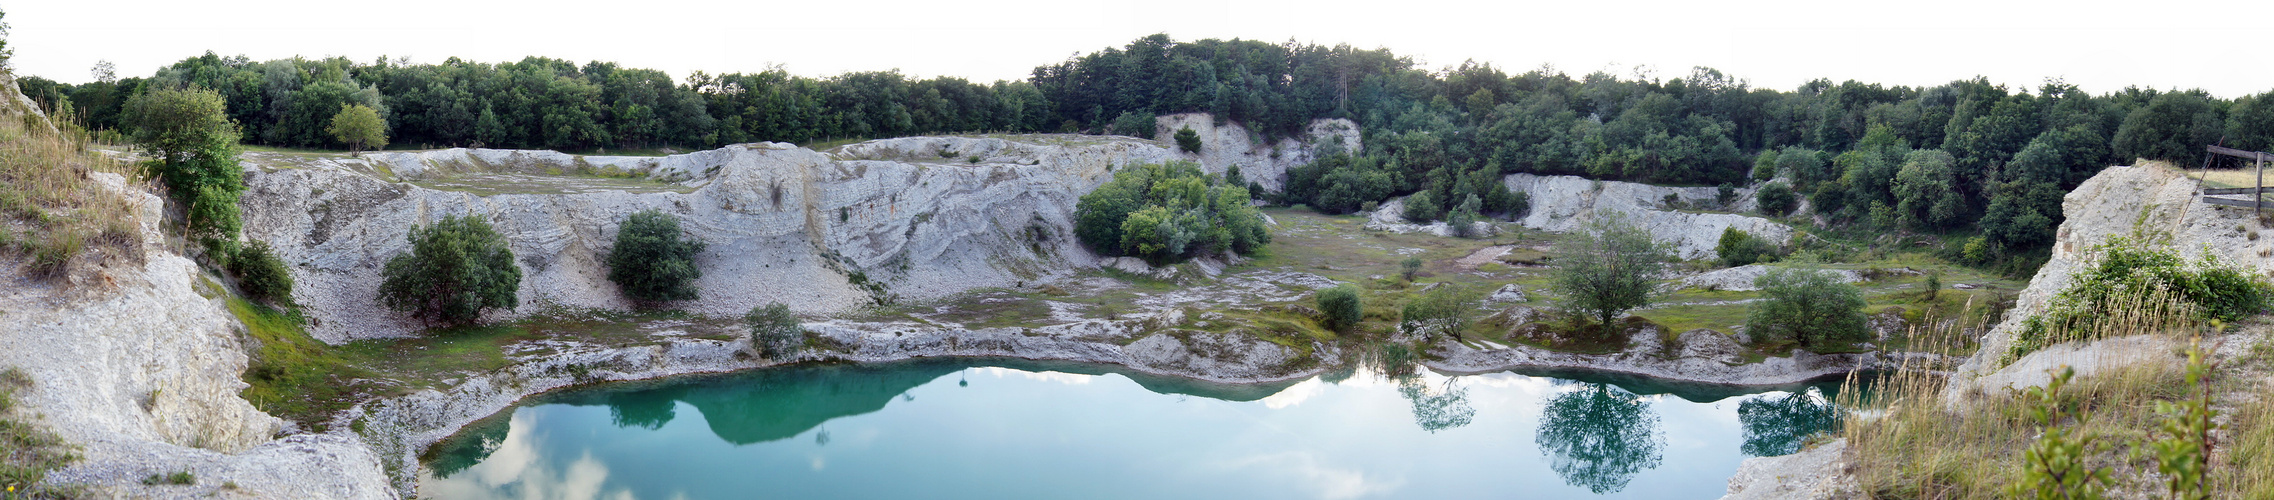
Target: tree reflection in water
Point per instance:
(1439, 409)
(1599, 437)
(1778, 424)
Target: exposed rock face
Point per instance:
(1391, 217)
(1812, 473)
(144, 377)
(1266, 164)
(1507, 293)
(1740, 278)
(1709, 344)
(909, 218)
(819, 232)
(1563, 203)
(2155, 200)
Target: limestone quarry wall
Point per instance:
(140, 370)
(818, 231)
(1263, 162)
(782, 224)
(1564, 203)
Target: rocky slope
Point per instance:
(909, 219)
(140, 369)
(1263, 162)
(2156, 201)
(1564, 203)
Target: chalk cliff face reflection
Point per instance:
(1000, 429)
(1777, 424)
(1599, 437)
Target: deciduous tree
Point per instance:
(359, 126)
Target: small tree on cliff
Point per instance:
(1188, 140)
(455, 269)
(652, 262)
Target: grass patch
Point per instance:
(1569, 335)
(439, 356)
(2252, 447)
(27, 450)
(176, 478)
(993, 309)
(1920, 448)
(50, 211)
(1679, 318)
(292, 375)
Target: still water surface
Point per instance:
(999, 429)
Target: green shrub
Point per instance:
(1738, 248)
(1776, 199)
(2054, 466)
(1423, 207)
(1135, 124)
(455, 269)
(652, 261)
(261, 274)
(2183, 455)
(1807, 306)
(1167, 213)
(2127, 285)
(774, 331)
(193, 150)
(1188, 140)
(1409, 267)
(1341, 306)
(1463, 217)
(1445, 309)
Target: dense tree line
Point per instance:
(1968, 156)
(551, 103)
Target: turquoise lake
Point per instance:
(1010, 429)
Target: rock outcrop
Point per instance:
(143, 376)
(1563, 203)
(1740, 278)
(1390, 217)
(2156, 201)
(1262, 162)
(909, 218)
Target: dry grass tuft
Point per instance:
(51, 212)
(1908, 443)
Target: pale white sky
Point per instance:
(2102, 47)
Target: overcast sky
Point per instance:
(2215, 46)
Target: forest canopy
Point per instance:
(1967, 156)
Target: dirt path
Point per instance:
(1482, 256)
